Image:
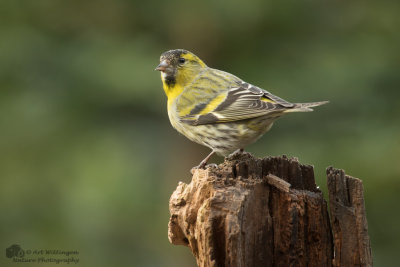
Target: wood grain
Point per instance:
(261, 212)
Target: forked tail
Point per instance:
(306, 107)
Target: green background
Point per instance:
(89, 159)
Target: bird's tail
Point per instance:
(305, 107)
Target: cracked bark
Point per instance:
(269, 212)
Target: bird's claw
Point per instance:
(236, 153)
(203, 166)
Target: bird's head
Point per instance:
(179, 67)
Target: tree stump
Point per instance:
(269, 212)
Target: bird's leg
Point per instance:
(203, 163)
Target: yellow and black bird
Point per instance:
(215, 108)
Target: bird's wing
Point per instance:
(241, 102)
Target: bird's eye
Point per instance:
(181, 60)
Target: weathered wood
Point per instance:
(252, 212)
(282, 185)
(269, 212)
(348, 219)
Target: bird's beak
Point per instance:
(162, 66)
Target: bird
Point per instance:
(217, 109)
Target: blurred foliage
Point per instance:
(89, 160)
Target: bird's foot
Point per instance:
(211, 165)
(236, 153)
(203, 167)
(203, 163)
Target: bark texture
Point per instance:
(267, 212)
(348, 220)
